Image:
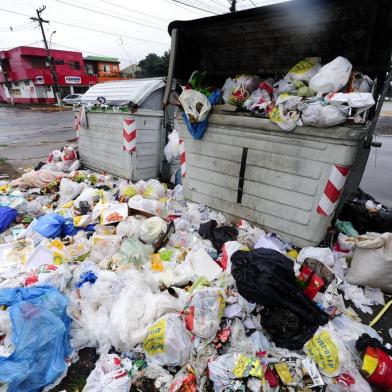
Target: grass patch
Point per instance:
(76, 385)
(3, 145)
(2, 161)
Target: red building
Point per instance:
(26, 76)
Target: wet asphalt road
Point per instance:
(27, 137)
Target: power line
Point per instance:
(110, 15)
(193, 6)
(136, 12)
(92, 29)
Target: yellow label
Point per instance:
(302, 67)
(58, 258)
(248, 366)
(156, 262)
(325, 352)
(275, 115)
(154, 343)
(369, 364)
(284, 373)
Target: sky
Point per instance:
(126, 29)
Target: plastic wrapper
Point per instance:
(203, 312)
(232, 366)
(168, 342)
(332, 76)
(133, 253)
(6, 345)
(151, 229)
(88, 195)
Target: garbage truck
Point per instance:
(246, 166)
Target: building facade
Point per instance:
(26, 75)
(105, 69)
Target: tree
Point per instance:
(153, 65)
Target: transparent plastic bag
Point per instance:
(203, 312)
(168, 342)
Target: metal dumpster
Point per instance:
(246, 166)
(103, 146)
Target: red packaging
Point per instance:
(304, 276)
(314, 286)
(382, 375)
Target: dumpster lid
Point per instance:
(121, 92)
(269, 40)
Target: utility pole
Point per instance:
(51, 63)
(233, 5)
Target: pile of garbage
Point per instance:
(309, 94)
(173, 295)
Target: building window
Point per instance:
(16, 84)
(106, 68)
(27, 83)
(38, 62)
(89, 69)
(75, 64)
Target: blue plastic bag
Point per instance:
(40, 334)
(7, 217)
(49, 225)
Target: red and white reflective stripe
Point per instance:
(182, 158)
(129, 135)
(333, 190)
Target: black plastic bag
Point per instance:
(266, 277)
(363, 220)
(217, 235)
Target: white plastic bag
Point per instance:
(110, 374)
(228, 89)
(195, 104)
(90, 195)
(325, 255)
(332, 76)
(168, 342)
(372, 261)
(130, 226)
(304, 69)
(172, 148)
(151, 229)
(318, 114)
(69, 190)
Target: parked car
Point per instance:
(71, 99)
